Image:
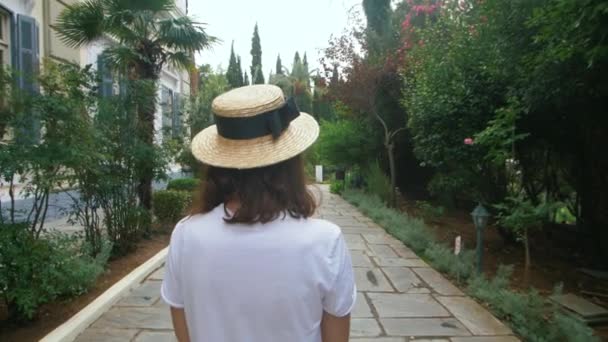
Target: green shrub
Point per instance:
(36, 271)
(184, 184)
(378, 183)
(336, 187)
(430, 211)
(170, 205)
(346, 143)
(529, 314)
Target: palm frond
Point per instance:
(81, 23)
(155, 6)
(183, 34)
(180, 60)
(121, 57)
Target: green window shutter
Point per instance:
(106, 78)
(27, 53)
(166, 102)
(27, 66)
(177, 115)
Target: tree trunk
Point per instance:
(390, 147)
(146, 112)
(594, 196)
(528, 262)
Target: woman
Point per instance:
(250, 265)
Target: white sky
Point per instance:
(285, 26)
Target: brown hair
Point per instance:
(264, 193)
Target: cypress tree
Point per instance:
(296, 63)
(232, 76)
(279, 65)
(257, 74)
(305, 63)
(245, 78)
(239, 71)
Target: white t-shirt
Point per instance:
(257, 283)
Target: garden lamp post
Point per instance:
(480, 219)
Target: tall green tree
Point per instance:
(233, 74)
(257, 73)
(279, 67)
(146, 37)
(246, 79)
(239, 71)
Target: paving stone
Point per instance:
(379, 238)
(383, 251)
(380, 339)
(362, 309)
(137, 301)
(147, 288)
(371, 279)
(485, 339)
(437, 282)
(405, 252)
(419, 290)
(429, 340)
(348, 222)
(358, 230)
(580, 305)
(357, 246)
(106, 335)
(423, 327)
(158, 274)
(399, 262)
(135, 318)
(474, 316)
(364, 327)
(160, 303)
(156, 336)
(407, 305)
(353, 238)
(402, 278)
(360, 259)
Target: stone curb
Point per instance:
(69, 330)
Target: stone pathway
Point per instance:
(401, 298)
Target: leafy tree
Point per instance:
(145, 39)
(257, 73)
(246, 79)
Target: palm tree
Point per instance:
(146, 37)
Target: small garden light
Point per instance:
(480, 219)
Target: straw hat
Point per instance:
(255, 126)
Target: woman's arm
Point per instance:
(180, 325)
(335, 329)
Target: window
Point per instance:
(171, 104)
(5, 38)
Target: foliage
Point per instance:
(234, 75)
(184, 184)
(377, 182)
(336, 187)
(529, 315)
(345, 143)
(519, 214)
(212, 84)
(49, 137)
(171, 205)
(257, 73)
(429, 211)
(36, 271)
(145, 39)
